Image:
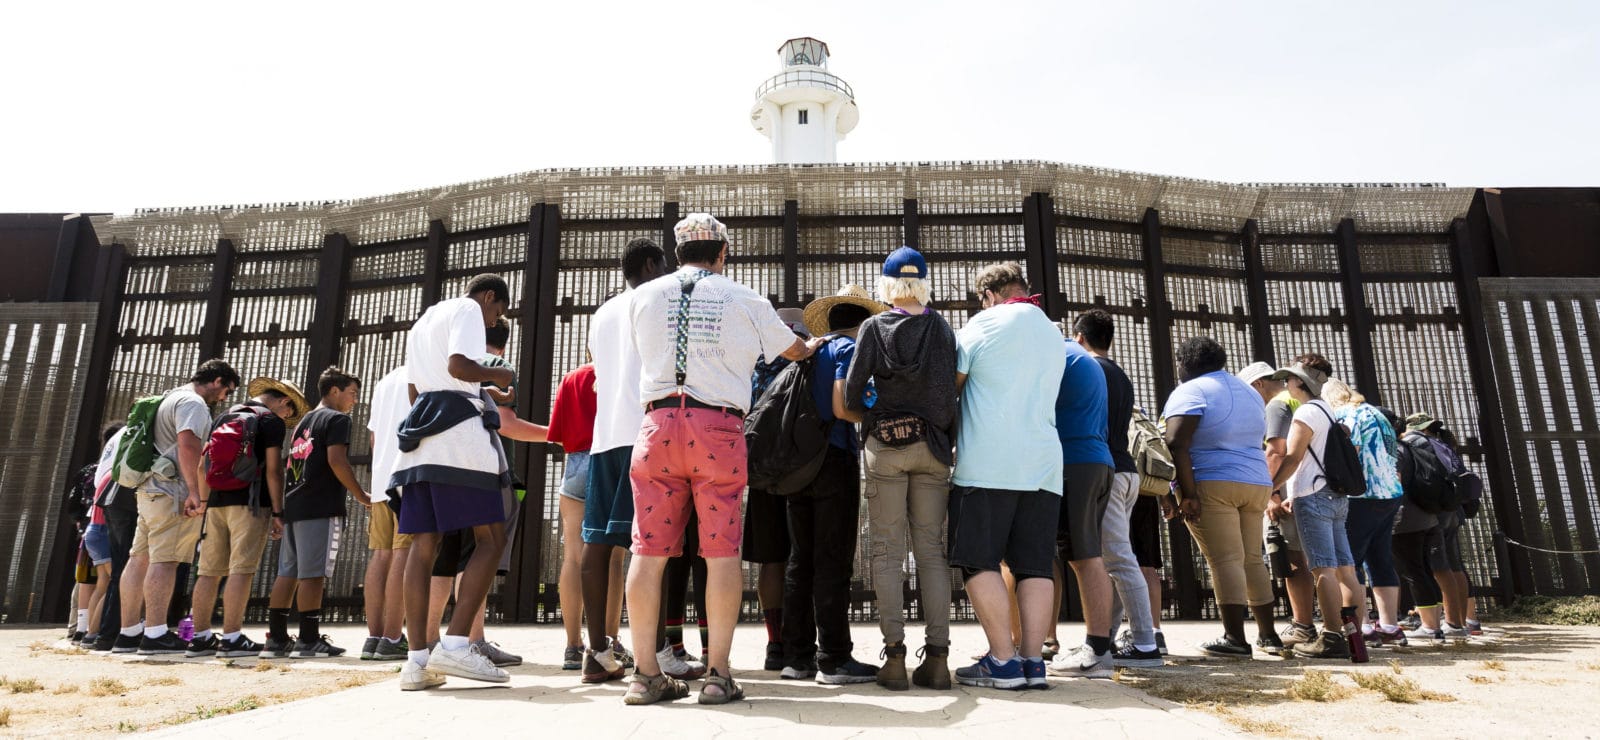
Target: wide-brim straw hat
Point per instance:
(816, 314)
(291, 390)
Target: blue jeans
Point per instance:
(1321, 519)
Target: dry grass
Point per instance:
(1475, 678)
(1494, 665)
(1397, 689)
(25, 686)
(1394, 665)
(1590, 666)
(263, 667)
(5, 717)
(1315, 685)
(66, 688)
(204, 712)
(360, 679)
(106, 686)
(165, 681)
(1251, 725)
(1199, 690)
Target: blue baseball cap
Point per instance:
(905, 262)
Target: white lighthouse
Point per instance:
(804, 109)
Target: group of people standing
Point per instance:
(1002, 452)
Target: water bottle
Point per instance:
(1353, 636)
(186, 628)
(869, 397)
(1277, 551)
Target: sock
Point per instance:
(309, 626)
(1035, 659)
(202, 634)
(155, 632)
(674, 633)
(420, 657)
(83, 620)
(1347, 613)
(1146, 647)
(705, 635)
(278, 624)
(133, 631)
(231, 636)
(454, 642)
(774, 624)
(1100, 645)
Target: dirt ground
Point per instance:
(50, 690)
(1517, 681)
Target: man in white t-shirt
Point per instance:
(385, 583)
(1319, 513)
(453, 475)
(170, 510)
(698, 335)
(608, 494)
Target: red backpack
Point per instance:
(230, 455)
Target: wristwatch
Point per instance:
(277, 515)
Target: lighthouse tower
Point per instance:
(804, 109)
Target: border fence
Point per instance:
(1372, 276)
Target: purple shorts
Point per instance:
(427, 508)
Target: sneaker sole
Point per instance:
(603, 677)
(264, 655)
(389, 656)
(571, 666)
(238, 653)
(830, 680)
(1036, 684)
(485, 678)
(1009, 684)
(1097, 673)
(799, 676)
(690, 675)
(201, 654)
(423, 686)
(1140, 663)
(312, 656)
(161, 652)
(1230, 656)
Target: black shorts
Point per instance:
(1086, 490)
(1450, 554)
(455, 549)
(1018, 527)
(766, 528)
(1144, 530)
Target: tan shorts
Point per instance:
(233, 540)
(383, 529)
(163, 531)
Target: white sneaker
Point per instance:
(679, 668)
(1081, 662)
(466, 663)
(413, 677)
(1431, 637)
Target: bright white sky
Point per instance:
(113, 106)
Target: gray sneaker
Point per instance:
(369, 647)
(391, 650)
(498, 657)
(572, 659)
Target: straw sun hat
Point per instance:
(286, 388)
(816, 314)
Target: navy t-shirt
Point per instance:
(1119, 409)
(1081, 409)
(833, 363)
(311, 490)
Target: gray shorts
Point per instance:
(309, 548)
(575, 477)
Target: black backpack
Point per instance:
(79, 503)
(1428, 484)
(785, 435)
(1340, 463)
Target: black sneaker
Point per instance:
(168, 643)
(107, 642)
(202, 647)
(1161, 643)
(276, 648)
(1222, 647)
(88, 642)
(239, 647)
(1129, 656)
(75, 637)
(800, 670)
(1270, 644)
(319, 649)
(847, 672)
(774, 657)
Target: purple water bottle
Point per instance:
(186, 628)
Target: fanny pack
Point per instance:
(899, 431)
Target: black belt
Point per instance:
(673, 402)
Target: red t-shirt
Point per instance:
(572, 417)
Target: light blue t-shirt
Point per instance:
(1007, 439)
(1227, 444)
(1081, 410)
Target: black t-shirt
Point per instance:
(270, 432)
(311, 491)
(1119, 409)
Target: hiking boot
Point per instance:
(1034, 673)
(202, 647)
(1082, 662)
(497, 656)
(391, 650)
(168, 643)
(800, 670)
(774, 657)
(124, 643)
(1270, 644)
(934, 670)
(601, 666)
(1330, 645)
(651, 689)
(413, 677)
(319, 649)
(468, 662)
(847, 671)
(369, 647)
(572, 658)
(623, 655)
(991, 674)
(1296, 633)
(239, 647)
(276, 648)
(1129, 656)
(892, 675)
(676, 666)
(1222, 647)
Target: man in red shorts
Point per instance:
(698, 335)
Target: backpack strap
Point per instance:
(1311, 447)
